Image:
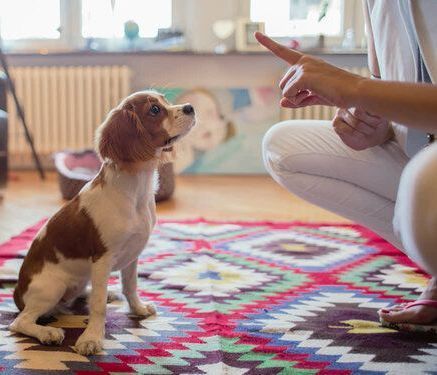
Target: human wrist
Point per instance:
(355, 95)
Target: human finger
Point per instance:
(357, 123)
(365, 116)
(348, 135)
(293, 86)
(340, 126)
(287, 54)
(287, 76)
(306, 101)
(311, 100)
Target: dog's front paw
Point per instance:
(88, 345)
(51, 335)
(143, 309)
(113, 296)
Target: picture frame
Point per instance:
(245, 41)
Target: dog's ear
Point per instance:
(123, 139)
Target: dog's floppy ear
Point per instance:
(123, 139)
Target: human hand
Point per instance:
(311, 81)
(361, 130)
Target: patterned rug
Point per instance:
(241, 298)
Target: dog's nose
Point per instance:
(188, 109)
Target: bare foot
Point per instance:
(421, 314)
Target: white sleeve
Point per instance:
(399, 130)
(371, 52)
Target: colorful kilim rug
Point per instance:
(241, 298)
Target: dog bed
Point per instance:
(75, 169)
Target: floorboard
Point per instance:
(27, 200)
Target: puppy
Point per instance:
(105, 227)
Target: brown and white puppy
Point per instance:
(105, 227)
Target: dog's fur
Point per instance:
(105, 227)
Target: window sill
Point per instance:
(54, 53)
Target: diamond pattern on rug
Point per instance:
(308, 250)
(240, 298)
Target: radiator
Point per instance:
(63, 107)
(317, 112)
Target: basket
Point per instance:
(75, 169)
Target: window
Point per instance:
(28, 19)
(299, 17)
(68, 24)
(105, 19)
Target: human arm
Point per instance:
(411, 104)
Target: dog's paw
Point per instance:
(88, 345)
(51, 336)
(114, 296)
(143, 309)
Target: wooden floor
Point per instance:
(27, 200)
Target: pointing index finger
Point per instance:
(289, 55)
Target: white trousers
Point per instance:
(380, 188)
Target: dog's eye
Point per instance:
(154, 110)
